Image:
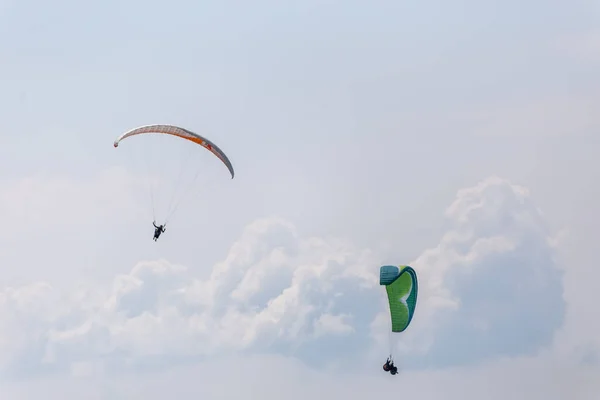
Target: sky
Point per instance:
(460, 139)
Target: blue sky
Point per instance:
(460, 138)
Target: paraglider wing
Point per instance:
(182, 133)
(402, 287)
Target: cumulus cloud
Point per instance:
(491, 287)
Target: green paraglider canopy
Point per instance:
(402, 288)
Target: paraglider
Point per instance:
(401, 286)
(158, 230)
(390, 367)
(181, 133)
(166, 139)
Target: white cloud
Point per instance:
(490, 288)
(493, 271)
(334, 324)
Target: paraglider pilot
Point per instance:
(157, 230)
(390, 367)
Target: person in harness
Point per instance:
(390, 367)
(157, 230)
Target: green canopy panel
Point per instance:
(402, 287)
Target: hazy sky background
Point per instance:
(461, 138)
